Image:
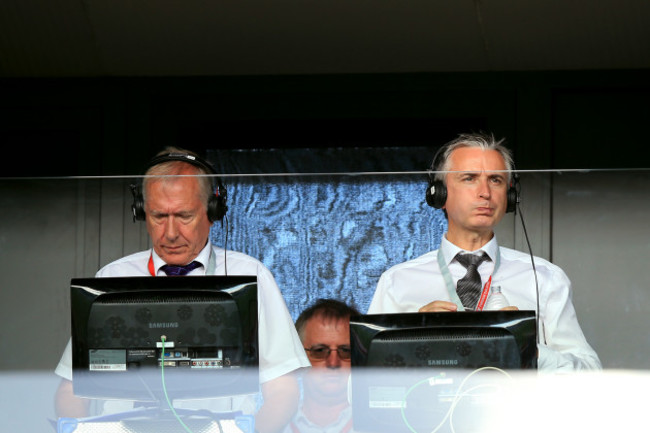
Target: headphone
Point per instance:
(436, 194)
(216, 207)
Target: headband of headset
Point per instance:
(216, 206)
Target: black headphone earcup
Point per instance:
(513, 194)
(436, 195)
(137, 208)
(510, 206)
(217, 206)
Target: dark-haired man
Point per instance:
(324, 329)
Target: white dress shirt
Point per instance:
(410, 285)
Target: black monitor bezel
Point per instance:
(84, 292)
(522, 325)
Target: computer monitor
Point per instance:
(149, 339)
(408, 369)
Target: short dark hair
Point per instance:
(328, 309)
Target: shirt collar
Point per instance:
(203, 258)
(450, 250)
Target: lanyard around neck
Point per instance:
(211, 270)
(451, 287)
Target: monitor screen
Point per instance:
(410, 369)
(144, 338)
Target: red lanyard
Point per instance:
(484, 295)
(152, 271)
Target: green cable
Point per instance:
(162, 372)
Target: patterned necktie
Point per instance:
(469, 287)
(172, 270)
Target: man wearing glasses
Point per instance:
(324, 329)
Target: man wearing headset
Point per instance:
(473, 186)
(179, 207)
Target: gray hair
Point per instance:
(441, 161)
(168, 168)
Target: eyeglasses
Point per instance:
(321, 352)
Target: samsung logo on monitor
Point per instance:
(437, 362)
(158, 325)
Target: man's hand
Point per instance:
(66, 404)
(438, 307)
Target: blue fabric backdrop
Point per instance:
(326, 236)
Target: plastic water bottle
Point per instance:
(496, 300)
